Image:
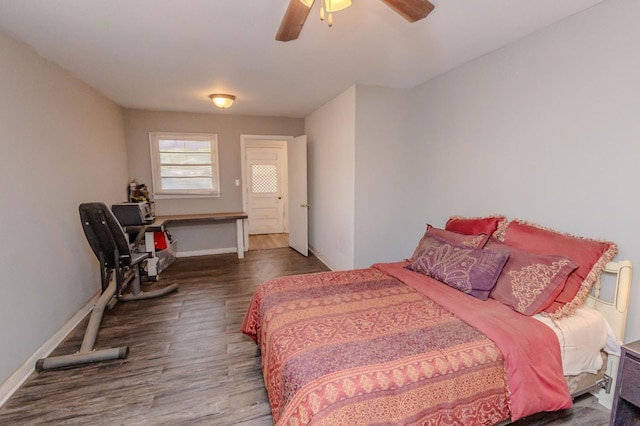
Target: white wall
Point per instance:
(62, 144)
(545, 129)
(331, 180)
(381, 190)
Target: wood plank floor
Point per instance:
(268, 241)
(188, 362)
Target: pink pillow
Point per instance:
(590, 255)
(470, 241)
(472, 271)
(529, 282)
(475, 225)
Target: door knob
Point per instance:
(304, 205)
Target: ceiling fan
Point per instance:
(298, 10)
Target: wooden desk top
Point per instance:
(194, 218)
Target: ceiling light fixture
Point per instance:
(327, 7)
(221, 100)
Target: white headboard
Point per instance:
(614, 311)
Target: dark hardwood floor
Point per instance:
(188, 361)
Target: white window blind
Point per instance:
(184, 165)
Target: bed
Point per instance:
(483, 324)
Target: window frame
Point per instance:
(154, 147)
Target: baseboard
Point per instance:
(24, 371)
(206, 252)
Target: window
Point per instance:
(184, 165)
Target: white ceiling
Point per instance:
(170, 54)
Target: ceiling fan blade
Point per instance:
(411, 10)
(293, 20)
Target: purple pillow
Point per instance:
(530, 282)
(469, 270)
(469, 241)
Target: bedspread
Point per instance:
(367, 347)
(362, 347)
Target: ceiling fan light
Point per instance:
(336, 5)
(331, 5)
(221, 100)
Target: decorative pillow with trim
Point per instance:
(472, 271)
(470, 241)
(476, 225)
(529, 282)
(590, 255)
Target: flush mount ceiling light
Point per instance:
(221, 100)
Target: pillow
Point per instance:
(469, 270)
(476, 225)
(590, 255)
(471, 241)
(529, 282)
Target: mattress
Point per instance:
(582, 337)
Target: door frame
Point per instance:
(264, 141)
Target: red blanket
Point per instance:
(530, 348)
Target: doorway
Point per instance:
(265, 172)
(268, 199)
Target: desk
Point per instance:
(161, 221)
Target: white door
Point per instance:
(298, 204)
(265, 190)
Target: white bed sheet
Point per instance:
(582, 336)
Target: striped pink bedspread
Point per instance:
(362, 347)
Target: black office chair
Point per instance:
(119, 271)
(110, 245)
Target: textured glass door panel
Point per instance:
(264, 178)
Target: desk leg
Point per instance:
(152, 262)
(245, 226)
(240, 237)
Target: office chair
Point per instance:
(119, 271)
